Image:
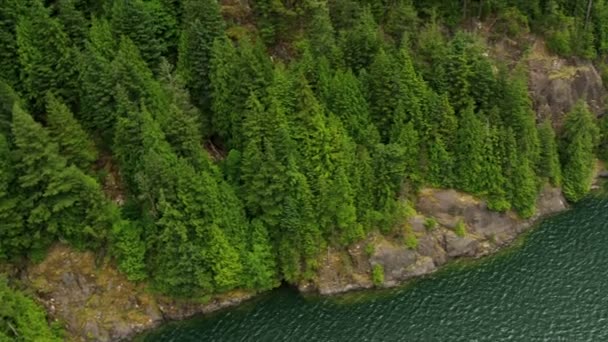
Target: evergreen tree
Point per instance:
(348, 102)
(202, 25)
(47, 60)
(10, 11)
(458, 74)
(469, 151)
(261, 258)
(361, 43)
(97, 85)
(8, 98)
(74, 144)
(146, 24)
(548, 165)
(13, 239)
(74, 22)
(576, 152)
(61, 201)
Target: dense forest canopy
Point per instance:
(205, 147)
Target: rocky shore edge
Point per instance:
(99, 304)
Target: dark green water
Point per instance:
(552, 287)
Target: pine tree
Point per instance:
(576, 151)
(146, 25)
(134, 77)
(10, 11)
(458, 73)
(261, 262)
(320, 29)
(548, 165)
(347, 101)
(440, 164)
(8, 98)
(361, 43)
(97, 85)
(516, 111)
(202, 25)
(521, 182)
(47, 60)
(492, 184)
(384, 87)
(74, 144)
(62, 201)
(12, 235)
(468, 152)
(74, 22)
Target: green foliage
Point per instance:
(22, 319)
(548, 164)
(46, 58)
(411, 241)
(579, 137)
(378, 275)
(460, 229)
(430, 223)
(74, 144)
(202, 24)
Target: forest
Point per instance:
(204, 146)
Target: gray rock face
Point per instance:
(99, 303)
(556, 84)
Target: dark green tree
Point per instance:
(548, 164)
(202, 24)
(577, 144)
(46, 58)
(468, 153)
(74, 143)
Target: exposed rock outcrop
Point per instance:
(486, 232)
(100, 304)
(556, 84)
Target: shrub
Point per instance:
(369, 249)
(378, 275)
(430, 223)
(460, 229)
(411, 241)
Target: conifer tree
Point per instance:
(74, 144)
(492, 179)
(47, 60)
(74, 22)
(548, 165)
(62, 201)
(361, 43)
(384, 87)
(348, 102)
(97, 86)
(320, 29)
(469, 151)
(8, 98)
(261, 262)
(440, 164)
(146, 25)
(576, 151)
(202, 24)
(516, 111)
(10, 11)
(137, 82)
(13, 238)
(458, 73)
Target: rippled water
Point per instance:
(552, 287)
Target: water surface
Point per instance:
(551, 287)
